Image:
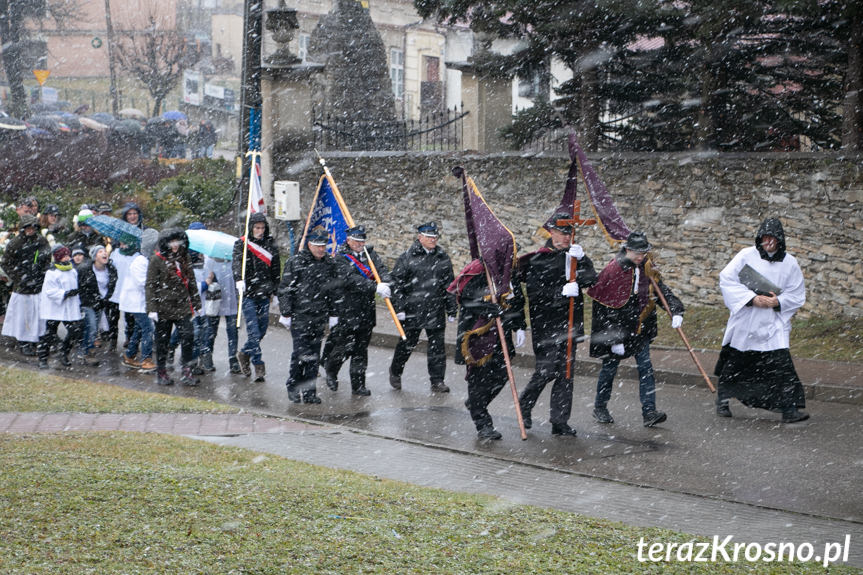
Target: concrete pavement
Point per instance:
(750, 476)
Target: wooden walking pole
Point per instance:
(254, 154)
(573, 273)
(350, 221)
(682, 336)
(309, 217)
(502, 337)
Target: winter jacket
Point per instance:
(25, 261)
(357, 300)
(121, 265)
(543, 275)
(309, 291)
(171, 288)
(88, 289)
(420, 279)
(53, 303)
(222, 274)
(133, 298)
(634, 322)
(262, 278)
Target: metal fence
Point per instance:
(436, 131)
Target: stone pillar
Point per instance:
(487, 98)
(286, 93)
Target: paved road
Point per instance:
(750, 475)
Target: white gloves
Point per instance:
(285, 321)
(332, 322)
(618, 349)
(153, 316)
(450, 318)
(575, 251)
(637, 276)
(676, 321)
(241, 286)
(519, 337)
(401, 316)
(570, 289)
(383, 290)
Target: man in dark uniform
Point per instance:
(624, 324)
(350, 337)
(478, 343)
(545, 275)
(420, 278)
(306, 300)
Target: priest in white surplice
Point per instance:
(755, 364)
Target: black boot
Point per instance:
(64, 359)
(293, 394)
(311, 396)
(358, 385)
(332, 381)
(188, 379)
(162, 377)
(234, 365)
(206, 362)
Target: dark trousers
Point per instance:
(304, 359)
(112, 315)
(349, 341)
(646, 381)
(46, 340)
(436, 353)
(550, 352)
(163, 340)
(483, 385)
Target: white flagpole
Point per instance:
(254, 155)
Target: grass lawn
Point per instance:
(147, 503)
(25, 390)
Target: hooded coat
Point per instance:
(25, 261)
(261, 277)
(132, 206)
(172, 291)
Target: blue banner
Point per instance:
(328, 214)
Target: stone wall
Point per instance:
(698, 210)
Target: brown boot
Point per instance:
(260, 372)
(245, 363)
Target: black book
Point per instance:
(757, 282)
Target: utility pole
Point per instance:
(111, 71)
(250, 94)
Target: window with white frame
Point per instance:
(397, 72)
(303, 46)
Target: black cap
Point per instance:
(637, 242)
(103, 207)
(554, 225)
(51, 209)
(318, 237)
(356, 233)
(428, 229)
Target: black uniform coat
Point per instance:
(634, 323)
(357, 303)
(543, 274)
(309, 290)
(420, 279)
(88, 286)
(262, 280)
(25, 261)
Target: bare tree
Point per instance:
(157, 58)
(17, 48)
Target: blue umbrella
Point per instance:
(174, 115)
(212, 243)
(116, 229)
